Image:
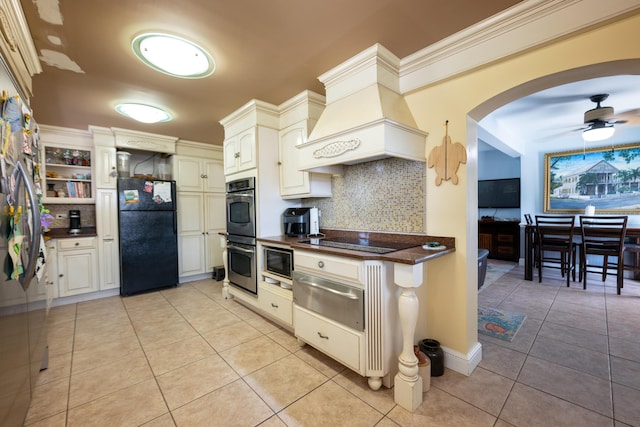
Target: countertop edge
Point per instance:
(411, 256)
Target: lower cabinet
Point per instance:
(343, 344)
(77, 266)
(277, 302)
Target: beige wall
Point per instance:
(451, 294)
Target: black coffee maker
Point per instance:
(296, 222)
(74, 222)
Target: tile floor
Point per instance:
(187, 357)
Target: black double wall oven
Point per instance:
(241, 234)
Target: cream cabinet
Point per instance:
(297, 118)
(106, 175)
(201, 217)
(240, 152)
(107, 227)
(51, 273)
(200, 186)
(343, 344)
(276, 302)
(196, 174)
(295, 183)
(77, 266)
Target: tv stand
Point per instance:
(501, 238)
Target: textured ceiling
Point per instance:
(268, 50)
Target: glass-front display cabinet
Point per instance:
(67, 175)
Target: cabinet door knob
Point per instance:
(60, 275)
(205, 176)
(321, 264)
(236, 155)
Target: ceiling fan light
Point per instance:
(143, 113)
(173, 55)
(598, 133)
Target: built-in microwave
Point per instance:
(278, 261)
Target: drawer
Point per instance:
(338, 267)
(275, 301)
(76, 243)
(340, 343)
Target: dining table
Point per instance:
(632, 235)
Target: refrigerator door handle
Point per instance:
(34, 244)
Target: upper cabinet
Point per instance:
(240, 152)
(17, 48)
(198, 174)
(297, 117)
(249, 142)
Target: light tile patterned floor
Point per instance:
(187, 357)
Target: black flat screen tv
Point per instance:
(499, 193)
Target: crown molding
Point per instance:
(527, 24)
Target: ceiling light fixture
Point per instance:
(173, 55)
(598, 131)
(143, 113)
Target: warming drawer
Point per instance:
(336, 301)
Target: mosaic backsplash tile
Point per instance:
(385, 195)
(87, 214)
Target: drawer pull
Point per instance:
(77, 243)
(274, 305)
(320, 264)
(324, 337)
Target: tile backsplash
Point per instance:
(87, 214)
(384, 195)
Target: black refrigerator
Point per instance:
(148, 235)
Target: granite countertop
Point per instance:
(412, 255)
(63, 233)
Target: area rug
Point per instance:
(499, 324)
(495, 270)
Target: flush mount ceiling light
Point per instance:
(143, 113)
(598, 131)
(173, 55)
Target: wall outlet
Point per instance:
(61, 216)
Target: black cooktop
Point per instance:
(364, 245)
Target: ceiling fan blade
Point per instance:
(631, 117)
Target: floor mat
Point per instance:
(499, 324)
(495, 270)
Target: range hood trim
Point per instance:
(366, 117)
(367, 142)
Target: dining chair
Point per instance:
(554, 245)
(603, 239)
(633, 248)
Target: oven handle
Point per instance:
(323, 288)
(238, 248)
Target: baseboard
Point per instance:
(195, 278)
(85, 297)
(463, 363)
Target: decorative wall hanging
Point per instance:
(446, 158)
(605, 178)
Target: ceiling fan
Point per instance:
(600, 121)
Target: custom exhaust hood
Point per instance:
(365, 119)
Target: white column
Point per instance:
(225, 262)
(408, 384)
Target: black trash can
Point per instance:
(218, 273)
(434, 352)
(483, 254)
